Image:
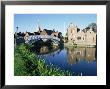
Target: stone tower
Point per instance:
(71, 31)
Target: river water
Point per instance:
(79, 60)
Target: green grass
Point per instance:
(26, 63)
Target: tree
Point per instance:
(93, 26)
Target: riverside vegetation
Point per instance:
(26, 63)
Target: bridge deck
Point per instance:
(37, 37)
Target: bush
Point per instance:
(26, 63)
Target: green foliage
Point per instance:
(26, 63)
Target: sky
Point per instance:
(58, 22)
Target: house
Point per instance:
(48, 32)
(81, 37)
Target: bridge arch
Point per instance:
(34, 38)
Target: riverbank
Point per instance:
(26, 63)
(77, 45)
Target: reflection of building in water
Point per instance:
(90, 54)
(44, 51)
(77, 54)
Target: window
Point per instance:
(79, 38)
(93, 39)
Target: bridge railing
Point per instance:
(35, 37)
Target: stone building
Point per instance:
(81, 37)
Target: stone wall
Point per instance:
(80, 37)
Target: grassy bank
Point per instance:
(27, 64)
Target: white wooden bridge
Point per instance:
(33, 38)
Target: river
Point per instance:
(75, 59)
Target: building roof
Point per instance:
(49, 32)
(30, 33)
(36, 33)
(78, 29)
(87, 29)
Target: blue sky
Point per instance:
(59, 22)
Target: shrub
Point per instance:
(26, 63)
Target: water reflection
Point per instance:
(74, 55)
(78, 60)
(44, 51)
(77, 54)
